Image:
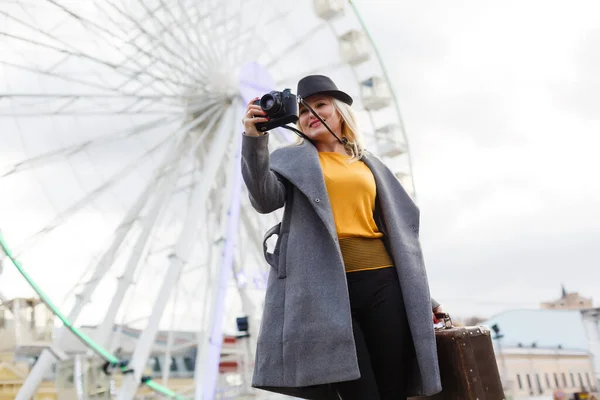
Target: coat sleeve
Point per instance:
(266, 189)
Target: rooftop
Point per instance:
(541, 328)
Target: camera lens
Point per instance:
(270, 103)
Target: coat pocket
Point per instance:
(276, 259)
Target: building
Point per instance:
(26, 329)
(539, 351)
(568, 301)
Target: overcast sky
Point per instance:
(502, 109)
(501, 102)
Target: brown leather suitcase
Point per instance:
(468, 366)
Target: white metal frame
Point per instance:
(177, 57)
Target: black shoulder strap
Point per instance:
(287, 211)
(281, 228)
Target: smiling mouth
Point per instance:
(313, 124)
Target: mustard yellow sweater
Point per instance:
(352, 192)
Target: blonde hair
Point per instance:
(355, 146)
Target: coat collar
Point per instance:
(300, 165)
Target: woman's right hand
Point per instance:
(252, 117)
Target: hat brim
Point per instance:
(336, 94)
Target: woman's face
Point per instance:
(312, 127)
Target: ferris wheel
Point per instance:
(121, 200)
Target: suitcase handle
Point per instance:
(445, 317)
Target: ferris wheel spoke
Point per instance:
(210, 339)
(165, 191)
(80, 104)
(190, 29)
(249, 47)
(160, 54)
(152, 38)
(76, 113)
(189, 24)
(146, 105)
(205, 40)
(231, 50)
(76, 148)
(195, 58)
(180, 47)
(226, 29)
(142, 33)
(200, 30)
(240, 44)
(296, 44)
(148, 53)
(102, 267)
(169, 347)
(95, 193)
(86, 23)
(122, 70)
(65, 78)
(20, 2)
(180, 257)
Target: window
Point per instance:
(173, 367)
(548, 381)
(589, 382)
(556, 380)
(520, 382)
(572, 380)
(155, 364)
(539, 383)
(564, 379)
(189, 362)
(580, 380)
(529, 382)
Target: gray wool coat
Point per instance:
(306, 341)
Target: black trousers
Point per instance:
(383, 342)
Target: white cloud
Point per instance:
(502, 118)
(501, 108)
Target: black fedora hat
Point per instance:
(321, 84)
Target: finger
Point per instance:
(255, 108)
(252, 101)
(254, 120)
(255, 114)
(251, 115)
(258, 119)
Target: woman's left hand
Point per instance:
(436, 310)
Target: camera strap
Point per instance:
(296, 131)
(343, 141)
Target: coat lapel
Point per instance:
(300, 165)
(380, 180)
(395, 205)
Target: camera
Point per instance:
(280, 107)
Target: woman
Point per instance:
(347, 309)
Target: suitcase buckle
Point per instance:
(445, 317)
